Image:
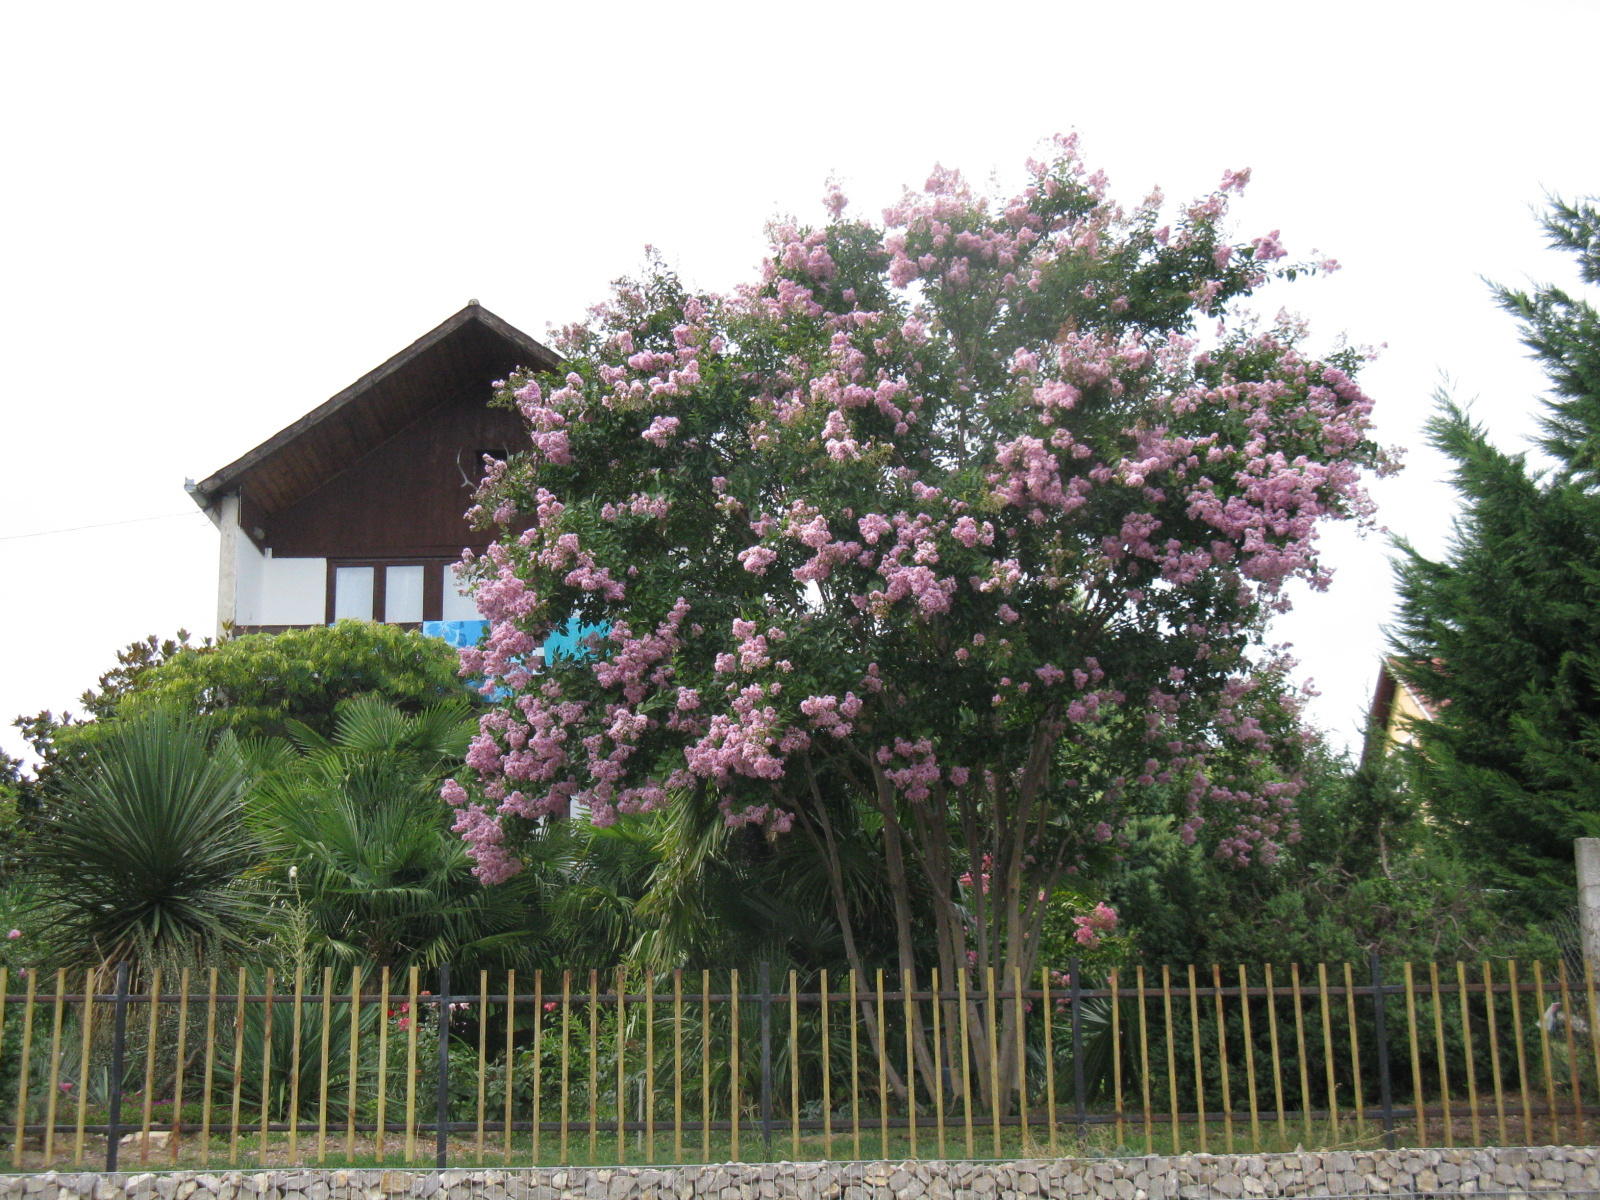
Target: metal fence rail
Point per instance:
(367, 1067)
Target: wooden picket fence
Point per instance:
(243, 1067)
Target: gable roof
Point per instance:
(459, 357)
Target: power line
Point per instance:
(11, 537)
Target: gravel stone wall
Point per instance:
(1524, 1173)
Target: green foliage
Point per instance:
(63, 743)
(357, 817)
(1367, 875)
(1500, 634)
(258, 685)
(142, 858)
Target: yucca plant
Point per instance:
(143, 860)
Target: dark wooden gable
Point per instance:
(386, 467)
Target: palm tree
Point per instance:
(375, 866)
(143, 858)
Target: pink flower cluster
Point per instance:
(1101, 920)
(1009, 452)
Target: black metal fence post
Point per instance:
(766, 1058)
(119, 1037)
(1382, 1029)
(1079, 1091)
(441, 1144)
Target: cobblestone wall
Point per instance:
(1541, 1171)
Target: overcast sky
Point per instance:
(215, 216)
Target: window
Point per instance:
(402, 594)
(458, 604)
(396, 591)
(352, 593)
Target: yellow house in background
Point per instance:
(1397, 708)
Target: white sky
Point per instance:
(214, 216)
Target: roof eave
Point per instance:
(540, 356)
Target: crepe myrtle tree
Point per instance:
(959, 527)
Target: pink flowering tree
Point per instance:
(961, 528)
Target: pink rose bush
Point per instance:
(968, 520)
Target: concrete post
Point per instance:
(228, 561)
(1588, 856)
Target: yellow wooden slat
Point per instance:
(1144, 1065)
(383, 1063)
(1172, 1054)
(794, 1062)
(211, 1045)
(238, 1068)
(827, 1072)
(966, 1055)
(1222, 1056)
(324, 1054)
(1277, 1058)
(650, 1066)
(1199, 1070)
(883, 1074)
(511, 1064)
(414, 1015)
(995, 1099)
(1300, 1049)
(1466, 1043)
(733, 1061)
(1494, 1052)
(705, 1065)
(483, 1057)
(1572, 1054)
(352, 1093)
(622, 1060)
(594, 1064)
(55, 1068)
(1022, 1060)
(1416, 1059)
(1355, 1051)
(86, 1030)
(294, 1069)
(1249, 1060)
(1050, 1056)
(266, 1066)
(151, 1042)
(22, 1072)
(1438, 1044)
(1524, 1080)
(677, 1064)
(937, 1009)
(1544, 1053)
(566, 1041)
(179, 1062)
(1327, 1051)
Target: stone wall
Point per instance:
(1540, 1171)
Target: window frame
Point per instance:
(432, 586)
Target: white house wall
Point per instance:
(293, 591)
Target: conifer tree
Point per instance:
(1503, 634)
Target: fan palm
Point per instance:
(143, 858)
(358, 815)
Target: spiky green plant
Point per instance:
(144, 857)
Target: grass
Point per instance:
(1096, 1140)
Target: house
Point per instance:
(356, 509)
(1397, 708)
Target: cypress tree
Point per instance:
(1503, 634)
